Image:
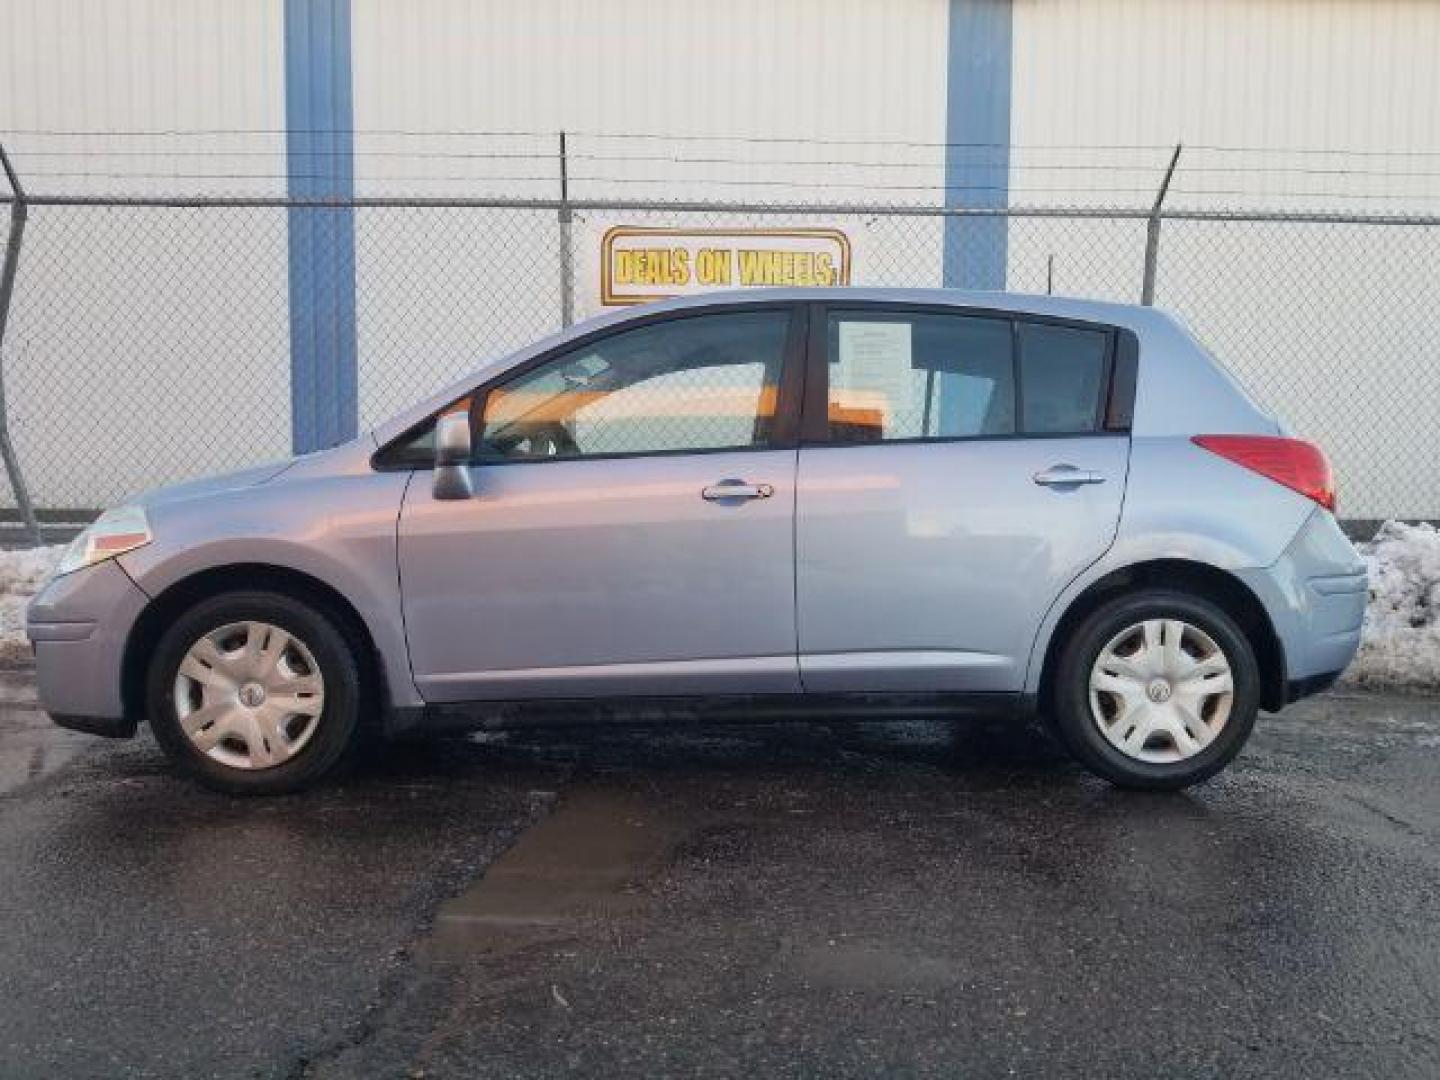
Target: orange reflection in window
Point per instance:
(522, 405)
(859, 414)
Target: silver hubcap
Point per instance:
(249, 695)
(1161, 691)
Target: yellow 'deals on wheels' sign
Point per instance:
(640, 264)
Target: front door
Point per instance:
(631, 530)
(962, 477)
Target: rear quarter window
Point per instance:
(1062, 378)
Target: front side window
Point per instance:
(709, 382)
(919, 375)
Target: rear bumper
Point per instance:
(79, 625)
(1315, 594)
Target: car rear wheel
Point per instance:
(1156, 689)
(254, 692)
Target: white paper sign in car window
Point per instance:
(874, 373)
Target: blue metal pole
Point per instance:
(319, 145)
(977, 137)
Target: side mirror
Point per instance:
(452, 457)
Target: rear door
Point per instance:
(957, 470)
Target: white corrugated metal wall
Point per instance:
(98, 96)
(1295, 104)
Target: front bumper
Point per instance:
(1315, 594)
(79, 625)
(110, 727)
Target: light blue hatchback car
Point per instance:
(835, 500)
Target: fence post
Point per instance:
(1152, 233)
(567, 251)
(19, 213)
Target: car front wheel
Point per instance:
(1156, 689)
(254, 692)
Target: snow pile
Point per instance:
(21, 575)
(1400, 646)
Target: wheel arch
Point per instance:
(1183, 575)
(145, 634)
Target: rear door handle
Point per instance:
(1067, 476)
(728, 490)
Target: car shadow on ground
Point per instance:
(1002, 749)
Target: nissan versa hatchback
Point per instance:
(831, 500)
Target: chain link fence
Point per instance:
(149, 340)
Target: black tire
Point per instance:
(1070, 708)
(337, 730)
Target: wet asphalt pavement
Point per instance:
(805, 899)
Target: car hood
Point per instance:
(212, 485)
(350, 458)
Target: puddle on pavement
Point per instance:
(31, 746)
(580, 863)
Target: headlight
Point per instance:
(113, 533)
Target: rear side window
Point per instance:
(1062, 378)
(901, 375)
(917, 376)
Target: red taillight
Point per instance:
(1299, 465)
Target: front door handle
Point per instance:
(1067, 476)
(736, 490)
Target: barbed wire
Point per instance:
(720, 183)
(997, 173)
(1011, 165)
(691, 137)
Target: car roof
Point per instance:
(1133, 316)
